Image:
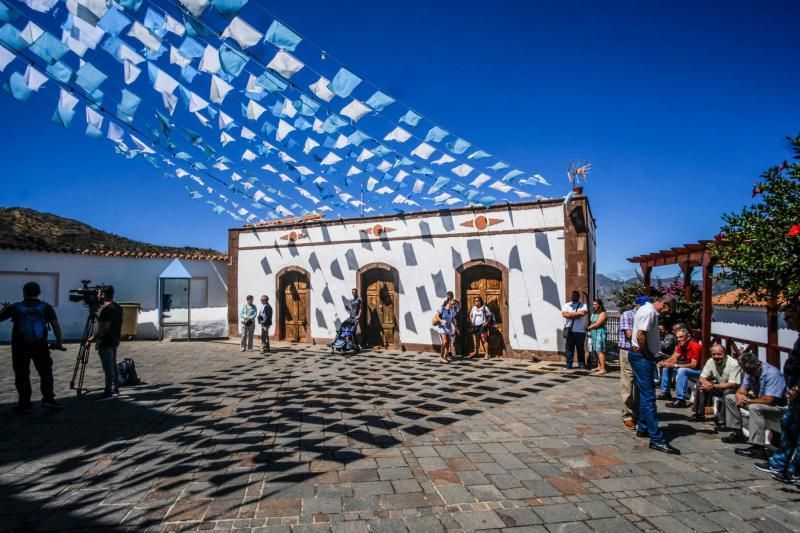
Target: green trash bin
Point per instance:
(130, 319)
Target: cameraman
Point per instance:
(31, 318)
(109, 331)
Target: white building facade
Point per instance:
(134, 277)
(522, 259)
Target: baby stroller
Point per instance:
(345, 338)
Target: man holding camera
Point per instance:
(107, 337)
(32, 318)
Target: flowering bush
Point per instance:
(688, 311)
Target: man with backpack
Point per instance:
(107, 337)
(32, 318)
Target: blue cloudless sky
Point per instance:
(678, 105)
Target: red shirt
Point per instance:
(692, 351)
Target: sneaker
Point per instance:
(664, 396)
(767, 467)
(241, 350)
(581, 367)
(51, 404)
(22, 409)
(790, 479)
(107, 395)
(753, 452)
(116, 391)
(629, 423)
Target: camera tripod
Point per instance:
(83, 353)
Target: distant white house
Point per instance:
(747, 321)
(134, 275)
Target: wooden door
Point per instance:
(380, 296)
(294, 307)
(487, 282)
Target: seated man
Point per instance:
(686, 358)
(721, 376)
(760, 394)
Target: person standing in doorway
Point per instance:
(265, 320)
(356, 308)
(575, 329)
(597, 333)
(645, 345)
(107, 337)
(445, 325)
(31, 318)
(481, 319)
(248, 317)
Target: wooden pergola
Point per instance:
(697, 255)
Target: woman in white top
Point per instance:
(446, 328)
(480, 317)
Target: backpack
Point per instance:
(126, 372)
(32, 323)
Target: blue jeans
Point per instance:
(684, 375)
(108, 357)
(576, 341)
(666, 379)
(787, 458)
(648, 416)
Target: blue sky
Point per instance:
(679, 106)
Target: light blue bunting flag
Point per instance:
(8, 13)
(435, 134)
(459, 146)
(129, 103)
(191, 48)
(357, 137)
(343, 83)
(306, 106)
(89, 78)
(302, 123)
(232, 60)
(49, 48)
(498, 166)
(17, 87)
(271, 83)
(282, 37)
(132, 5)
(12, 37)
(113, 22)
(155, 22)
(60, 72)
(478, 154)
(228, 8)
(333, 124)
(379, 101)
(411, 118)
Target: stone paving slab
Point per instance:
(302, 440)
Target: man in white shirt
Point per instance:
(575, 314)
(645, 345)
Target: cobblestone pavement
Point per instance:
(300, 440)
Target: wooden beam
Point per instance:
(773, 354)
(705, 319)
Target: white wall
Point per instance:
(747, 316)
(134, 280)
(426, 267)
(786, 337)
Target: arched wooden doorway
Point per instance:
(489, 280)
(294, 312)
(378, 285)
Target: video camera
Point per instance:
(86, 295)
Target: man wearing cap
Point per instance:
(645, 345)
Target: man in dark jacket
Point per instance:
(32, 318)
(109, 332)
(265, 319)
